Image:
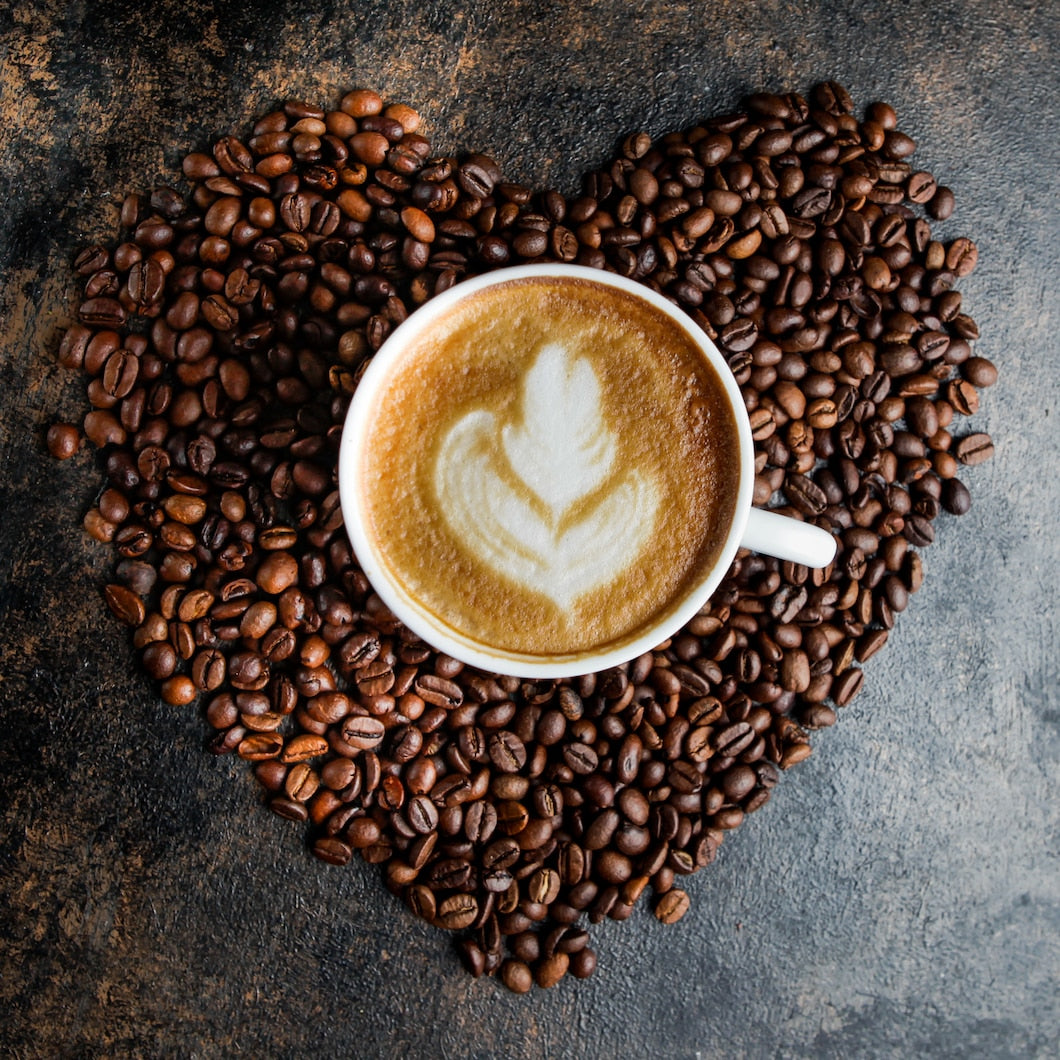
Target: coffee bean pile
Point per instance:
(222, 337)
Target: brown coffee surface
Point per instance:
(552, 467)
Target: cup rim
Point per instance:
(423, 623)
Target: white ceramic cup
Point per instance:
(751, 528)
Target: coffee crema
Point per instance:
(552, 467)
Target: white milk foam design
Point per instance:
(560, 452)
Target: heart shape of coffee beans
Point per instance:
(222, 337)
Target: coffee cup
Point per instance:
(547, 470)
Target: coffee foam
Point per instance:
(553, 464)
(538, 498)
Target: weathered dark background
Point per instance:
(900, 895)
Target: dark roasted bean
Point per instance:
(974, 449)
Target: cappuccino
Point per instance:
(549, 469)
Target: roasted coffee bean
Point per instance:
(979, 372)
(63, 440)
(500, 854)
(961, 256)
(125, 605)
(805, 494)
(551, 970)
(672, 906)
(580, 758)
(974, 449)
(955, 497)
(506, 751)
(457, 912)
(363, 731)
(421, 814)
(847, 685)
(963, 397)
(517, 976)
(439, 691)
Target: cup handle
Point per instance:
(786, 538)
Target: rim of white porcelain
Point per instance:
(426, 624)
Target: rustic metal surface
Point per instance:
(899, 896)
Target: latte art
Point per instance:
(563, 448)
(549, 466)
(538, 499)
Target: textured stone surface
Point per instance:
(899, 896)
